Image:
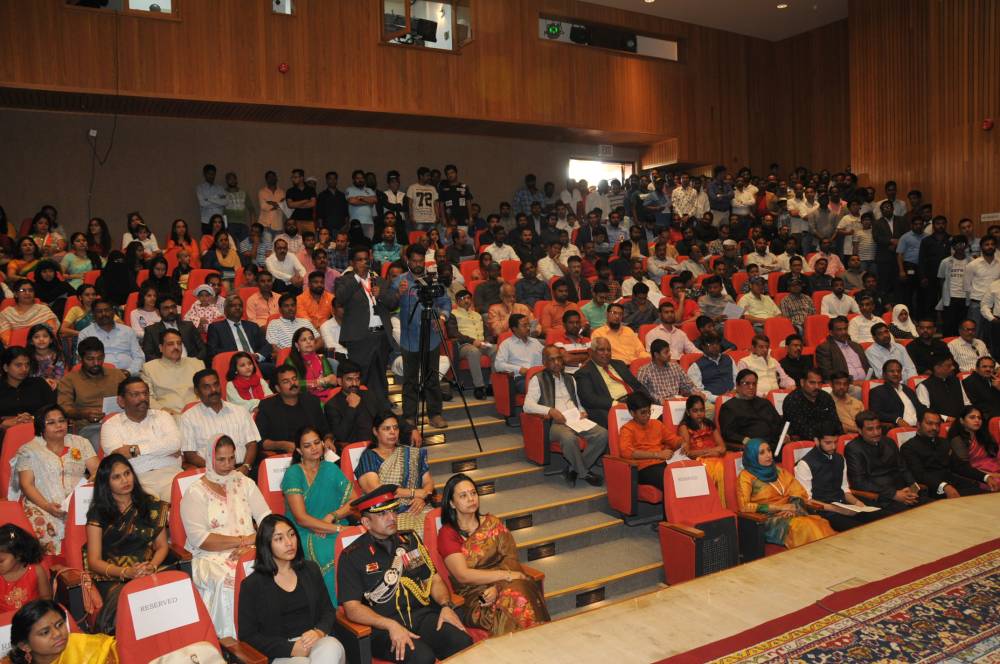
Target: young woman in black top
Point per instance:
(284, 610)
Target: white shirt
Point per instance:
(201, 425)
(909, 409)
(694, 373)
(831, 305)
(596, 200)
(547, 268)
(899, 207)
(373, 318)
(571, 198)
(285, 269)
(281, 330)
(980, 275)
(330, 331)
(767, 263)
(563, 402)
(675, 338)
(504, 253)
(990, 306)
(515, 354)
(966, 354)
(654, 291)
(156, 437)
(859, 329)
(744, 200)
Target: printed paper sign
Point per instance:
(779, 400)
(677, 408)
(690, 481)
(624, 417)
(356, 453)
(276, 471)
(5, 638)
(904, 436)
(248, 567)
(184, 483)
(163, 608)
(82, 497)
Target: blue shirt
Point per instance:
(909, 246)
(879, 355)
(409, 325)
(362, 213)
(121, 346)
(720, 195)
(523, 198)
(385, 253)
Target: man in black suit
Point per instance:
(233, 333)
(926, 349)
(888, 400)
(934, 465)
(602, 382)
(170, 318)
(830, 355)
(366, 332)
(352, 411)
(983, 388)
(875, 465)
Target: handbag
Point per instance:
(201, 652)
(92, 600)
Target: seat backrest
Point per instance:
(687, 359)
(995, 428)
(817, 327)
(915, 380)
(739, 279)
(772, 282)
(174, 617)
(691, 330)
(12, 512)
(900, 435)
(467, 268)
(644, 330)
(181, 482)
(197, 277)
(347, 535)
(90, 276)
(732, 467)
(777, 397)
(269, 476)
(778, 328)
(13, 440)
(349, 458)
(244, 568)
(739, 331)
(509, 269)
(618, 416)
(866, 389)
(76, 525)
(817, 297)
(19, 336)
(432, 524)
(688, 494)
(539, 308)
(793, 451)
(843, 440)
(638, 364)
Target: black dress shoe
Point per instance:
(479, 392)
(570, 477)
(513, 421)
(592, 479)
(489, 390)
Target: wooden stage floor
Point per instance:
(676, 619)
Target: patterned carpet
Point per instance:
(947, 611)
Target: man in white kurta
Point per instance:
(148, 438)
(218, 512)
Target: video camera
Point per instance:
(428, 289)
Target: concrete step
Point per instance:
(453, 410)
(497, 450)
(545, 501)
(569, 534)
(609, 570)
(614, 600)
(504, 477)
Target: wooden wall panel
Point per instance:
(924, 75)
(228, 50)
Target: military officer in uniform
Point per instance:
(386, 580)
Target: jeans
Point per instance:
(473, 355)
(430, 389)
(983, 328)
(596, 439)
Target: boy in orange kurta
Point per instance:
(647, 443)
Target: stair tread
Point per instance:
(492, 472)
(575, 571)
(562, 528)
(616, 599)
(458, 450)
(537, 497)
(456, 424)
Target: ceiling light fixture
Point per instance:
(783, 5)
(649, 2)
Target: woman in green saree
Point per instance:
(317, 500)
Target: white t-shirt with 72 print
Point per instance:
(423, 197)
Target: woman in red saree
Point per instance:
(481, 558)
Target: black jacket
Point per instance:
(983, 396)
(593, 392)
(193, 344)
(933, 462)
(221, 339)
(885, 403)
(262, 607)
(878, 468)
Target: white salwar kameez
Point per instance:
(204, 512)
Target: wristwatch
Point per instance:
(133, 450)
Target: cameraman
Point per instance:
(410, 309)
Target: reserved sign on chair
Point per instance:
(163, 608)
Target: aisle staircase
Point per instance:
(588, 554)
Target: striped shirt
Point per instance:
(201, 425)
(281, 330)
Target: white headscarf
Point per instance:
(226, 481)
(908, 326)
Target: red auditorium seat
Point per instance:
(752, 544)
(698, 536)
(817, 297)
(276, 466)
(900, 435)
(349, 458)
(817, 328)
(509, 270)
(739, 332)
(777, 330)
(793, 451)
(244, 568)
(13, 440)
(866, 389)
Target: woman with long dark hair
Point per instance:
(145, 312)
(318, 499)
(133, 221)
(283, 610)
(972, 443)
(50, 242)
(180, 238)
(481, 557)
(314, 370)
(98, 237)
(126, 533)
(79, 315)
(47, 469)
(26, 257)
(80, 260)
(39, 634)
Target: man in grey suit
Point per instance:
(366, 331)
(170, 318)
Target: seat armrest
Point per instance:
(242, 651)
(180, 552)
(69, 577)
(536, 575)
(690, 531)
(753, 516)
(357, 630)
(622, 481)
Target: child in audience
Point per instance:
(206, 310)
(701, 440)
(183, 269)
(245, 385)
(22, 577)
(144, 237)
(647, 442)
